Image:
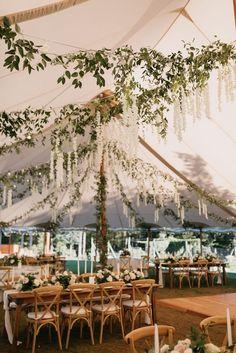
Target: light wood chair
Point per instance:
(31, 261)
(207, 326)
(145, 265)
(5, 277)
(166, 334)
(110, 306)
(85, 277)
(79, 308)
(183, 272)
(60, 263)
(140, 301)
(46, 312)
(200, 273)
(215, 272)
(125, 262)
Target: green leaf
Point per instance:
(67, 73)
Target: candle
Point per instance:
(91, 267)
(229, 329)
(85, 265)
(156, 339)
(12, 275)
(141, 265)
(78, 267)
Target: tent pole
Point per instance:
(234, 5)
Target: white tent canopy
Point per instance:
(206, 153)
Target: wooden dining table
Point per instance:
(21, 299)
(171, 266)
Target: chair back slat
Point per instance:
(46, 301)
(84, 302)
(5, 276)
(217, 320)
(111, 294)
(142, 290)
(165, 332)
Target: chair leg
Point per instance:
(121, 325)
(59, 335)
(101, 329)
(34, 339)
(68, 333)
(91, 332)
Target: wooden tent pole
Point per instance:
(180, 175)
(234, 5)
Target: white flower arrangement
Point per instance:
(11, 260)
(106, 275)
(29, 281)
(185, 346)
(129, 276)
(65, 278)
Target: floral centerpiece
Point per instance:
(169, 258)
(63, 278)
(211, 257)
(197, 344)
(125, 252)
(12, 260)
(182, 258)
(29, 281)
(106, 275)
(132, 275)
(198, 257)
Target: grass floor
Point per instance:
(113, 343)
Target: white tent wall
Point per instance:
(206, 153)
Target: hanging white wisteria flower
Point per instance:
(51, 176)
(200, 207)
(69, 169)
(59, 169)
(182, 214)
(4, 195)
(9, 197)
(156, 215)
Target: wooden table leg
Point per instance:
(154, 304)
(224, 275)
(16, 327)
(171, 277)
(157, 273)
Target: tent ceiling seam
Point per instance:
(178, 173)
(172, 23)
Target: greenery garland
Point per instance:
(164, 79)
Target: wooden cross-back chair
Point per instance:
(201, 272)
(110, 306)
(85, 277)
(183, 272)
(31, 261)
(5, 277)
(46, 312)
(166, 334)
(140, 301)
(79, 308)
(215, 272)
(125, 262)
(207, 326)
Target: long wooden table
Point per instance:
(24, 298)
(171, 266)
(204, 306)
